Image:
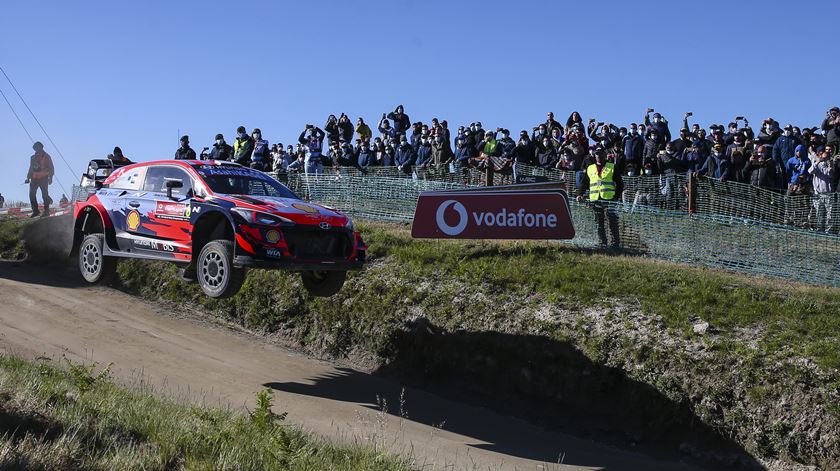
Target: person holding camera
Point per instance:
(363, 130)
(40, 176)
(331, 128)
(312, 140)
(660, 125)
(824, 178)
(831, 126)
(401, 121)
(345, 128)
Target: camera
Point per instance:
(650, 110)
(739, 118)
(689, 114)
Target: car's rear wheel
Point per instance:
(216, 275)
(95, 267)
(323, 284)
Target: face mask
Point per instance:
(242, 135)
(648, 171)
(788, 133)
(540, 132)
(256, 137)
(656, 120)
(438, 139)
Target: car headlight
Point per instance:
(259, 217)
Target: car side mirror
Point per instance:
(170, 184)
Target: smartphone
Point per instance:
(739, 118)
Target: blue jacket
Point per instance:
(798, 168)
(463, 148)
(261, 151)
(784, 149)
(401, 122)
(366, 156)
(404, 155)
(718, 168)
(633, 146)
(424, 154)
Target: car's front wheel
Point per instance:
(96, 268)
(323, 284)
(216, 275)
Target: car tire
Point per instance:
(323, 284)
(216, 275)
(96, 268)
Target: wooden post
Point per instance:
(692, 193)
(488, 173)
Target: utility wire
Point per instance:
(31, 139)
(37, 121)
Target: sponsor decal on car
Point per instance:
(174, 211)
(133, 220)
(272, 236)
(273, 253)
(153, 245)
(305, 208)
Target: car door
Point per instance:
(165, 230)
(113, 200)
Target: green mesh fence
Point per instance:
(733, 226)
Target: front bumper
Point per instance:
(297, 265)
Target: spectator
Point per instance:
(387, 132)
(345, 128)
(312, 138)
(634, 146)
(760, 170)
(280, 159)
(669, 164)
(684, 141)
(660, 125)
(717, 165)
(366, 155)
(823, 173)
(785, 146)
(557, 138)
(546, 155)
(651, 148)
(2, 201)
(63, 201)
(221, 150)
(404, 155)
(424, 152)
(524, 152)
(486, 150)
(797, 170)
(694, 157)
(298, 157)
(566, 160)
(508, 153)
(769, 132)
(574, 118)
(604, 186)
(441, 150)
(243, 146)
(578, 143)
(331, 128)
(551, 124)
(118, 157)
(383, 157)
(831, 126)
(260, 157)
(363, 130)
(400, 119)
(539, 132)
(40, 176)
(446, 134)
(185, 152)
(732, 130)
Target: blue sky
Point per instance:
(99, 74)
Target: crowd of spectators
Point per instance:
(790, 159)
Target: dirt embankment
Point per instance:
(611, 371)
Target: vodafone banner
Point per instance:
(488, 214)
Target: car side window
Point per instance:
(157, 176)
(130, 180)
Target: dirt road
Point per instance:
(49, 312)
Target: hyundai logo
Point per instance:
(324, 225)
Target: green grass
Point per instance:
(76, 418)
(11, 244)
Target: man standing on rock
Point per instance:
(40, 175)
(605, 186)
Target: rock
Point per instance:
(701, 328)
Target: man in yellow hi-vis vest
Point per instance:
(605, 186)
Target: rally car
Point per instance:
(214, 220)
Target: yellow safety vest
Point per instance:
(601, 186)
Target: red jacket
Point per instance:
(40, 166)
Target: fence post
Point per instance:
(488, 173)
(692, 193)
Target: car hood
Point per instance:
(286, 207)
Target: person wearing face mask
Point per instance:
(605, 186)
(280, 158)
(298, 158)
(507, 156)
(634, 146)
(524, 152)
(538, 133)
(366, 155)
(400, 119)
(716, 166)
(545, 154)
(684, 141)
(404, 155)
(386, 131)
(695, 156)
(221, 150)
(831, 126)
(651, 148)
(243, 145)
(729, 136)
(424, 153)
(785, 145)
(441, 150)
(824, 180)
(769, 132)
(660, 125)
(185, 152)
(260, 156)
(760, 171)
(574, 119)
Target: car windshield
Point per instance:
(244, 182)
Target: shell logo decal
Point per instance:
(133, 220)
(305, 208)
(272, 236)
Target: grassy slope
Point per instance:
(58, 418)
(11, 245)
